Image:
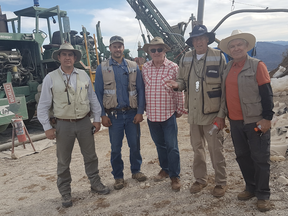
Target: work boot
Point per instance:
(67, 200)
(245, 195)
(162, 175)
(263, 205)
(139, 176)
(197, 187)
(100, 189)
(119, 184)
(175, 184)
(219, 190)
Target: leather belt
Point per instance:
(73, 120)
(108, 111)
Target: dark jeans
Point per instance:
(121, 123)
(253, 156)
(164, 135)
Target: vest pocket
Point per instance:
(108, 85)
(108, 101)
(252, 107)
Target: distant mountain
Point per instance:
(284, 43)
(271, 53)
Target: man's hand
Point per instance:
(220, 122)
(172, 84)
(265, 125)
(178, 115)
(138, 118)
(97, 126)
(51, 133)
(106, 121)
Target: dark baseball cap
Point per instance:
(116, 39)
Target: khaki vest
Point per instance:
(79, 106)
(211, 82)
(249, 95)
(110, 96)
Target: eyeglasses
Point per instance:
(159, 50)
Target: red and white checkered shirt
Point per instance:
(161, 100)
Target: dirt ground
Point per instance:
(28, 185)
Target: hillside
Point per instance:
(271, 53)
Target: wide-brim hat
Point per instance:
(69, 47)
(200, 30)
(156, 41)
(237, 34)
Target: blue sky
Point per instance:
(118, 18)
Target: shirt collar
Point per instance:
(165, 62)
(114, 62)
(239, 64)
(74, 71)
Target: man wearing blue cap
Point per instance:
(120, 90)
(200, 75)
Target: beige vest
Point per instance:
(110, 96)
(79, 106)
(211, 82)
(250, 98)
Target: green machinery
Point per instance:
(155, 23)
(24, 63)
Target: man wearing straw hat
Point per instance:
(120, 90)
(200, 74)
(69, 92)
(163, 106)
(249, 100)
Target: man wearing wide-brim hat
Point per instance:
(249, 100)
(163, 106)
(200, 75)
(69, 92)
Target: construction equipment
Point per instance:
(23, 63)
(156, 24)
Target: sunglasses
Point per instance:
(159, 50)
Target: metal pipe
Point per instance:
(247, 11)
(34, 138)
(200, 13)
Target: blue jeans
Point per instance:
(164, 135)
(123, 121)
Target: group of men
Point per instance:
(240, 90)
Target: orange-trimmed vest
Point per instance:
(110, 96)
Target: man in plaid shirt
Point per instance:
(163, 106)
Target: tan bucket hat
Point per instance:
(67, 46)
(237, 34)
(156, 41)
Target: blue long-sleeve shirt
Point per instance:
(121, 79)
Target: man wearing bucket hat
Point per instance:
(200, 74)
(120, 90)
(162, 113)
(249, 99)
(69, 92)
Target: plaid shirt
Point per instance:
(161, 101)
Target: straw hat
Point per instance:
(200, 30)
(69, 47)
(156, 41)
(237, 34)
